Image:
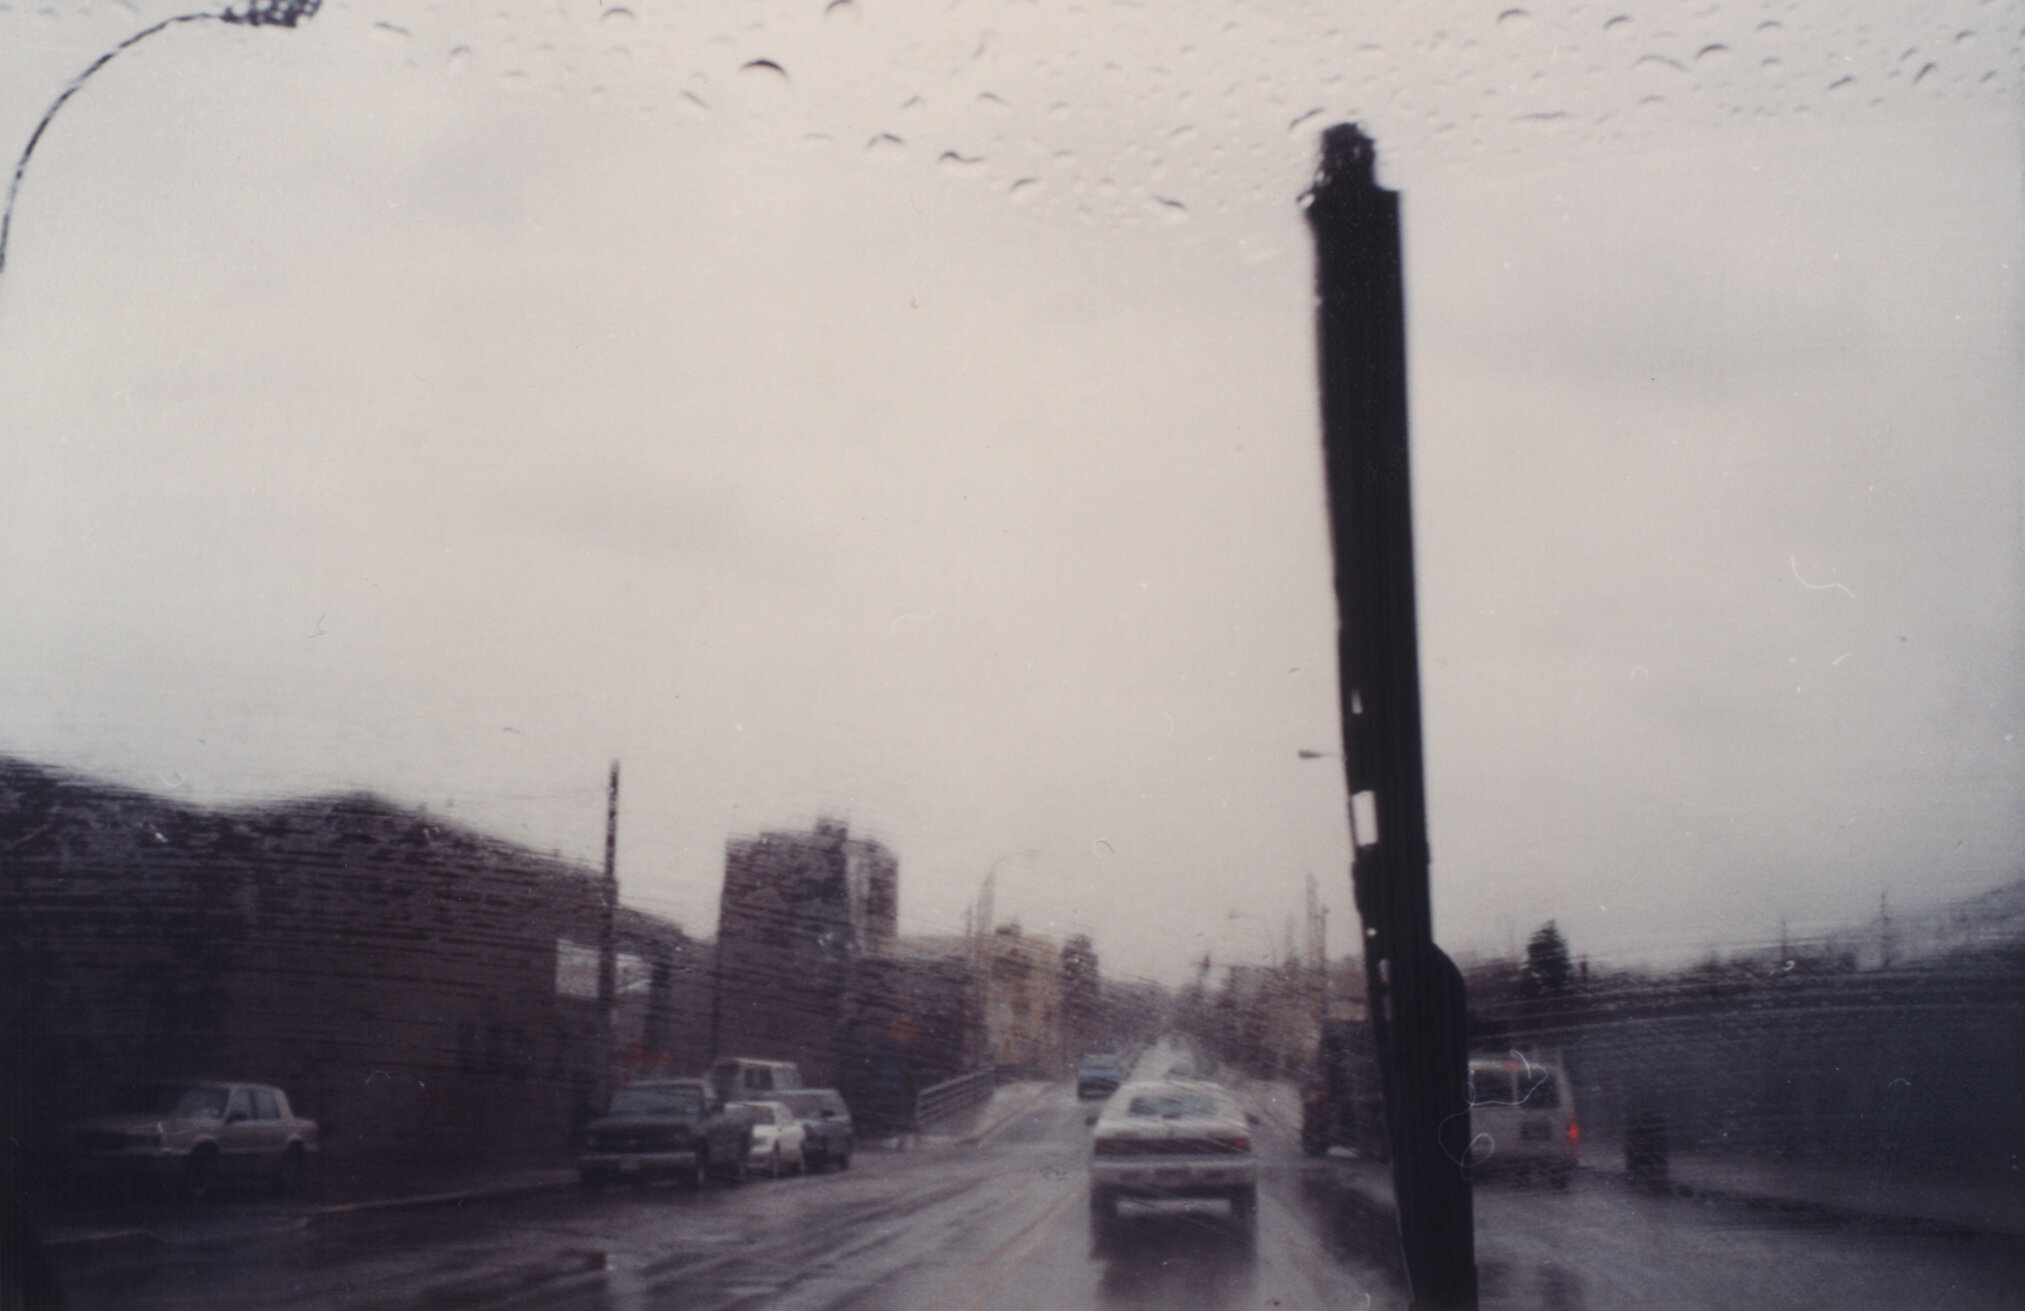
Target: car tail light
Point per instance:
(1239, 1143)
(1574, 1132)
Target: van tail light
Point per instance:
(1574, 1132)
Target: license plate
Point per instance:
(629, 1167)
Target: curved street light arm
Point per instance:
(257, 13)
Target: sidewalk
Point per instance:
(443, 1187)
(1006, 1104)
(144, 1222)
(1985, 1205)
(981, 1121)
(1955, 1202)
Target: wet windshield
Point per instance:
(550, 547)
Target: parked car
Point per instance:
(777, 1137)
(198, 1135)
(1171, 1139)
(664, 1128)
(1098, 1075)
(1522, 1118)
(736, 1078)
(826, 1121)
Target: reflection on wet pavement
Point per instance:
(1176, 1260)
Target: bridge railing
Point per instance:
(935, 1104)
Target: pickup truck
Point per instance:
(667, 1129)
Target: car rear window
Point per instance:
(1491, 1086)
(657, 1101)
(1172, 1106)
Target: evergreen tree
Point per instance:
(1548, 971)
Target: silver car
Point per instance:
(1171, 1139)
(197, 1135)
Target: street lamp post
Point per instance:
(255, 13)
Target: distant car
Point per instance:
(777, 1137)
(826, 1121)
(663, 1129)
(742, 1078)
(197, 1134)
(1171, 1139)
(1522, 1118)
(1098, 1075)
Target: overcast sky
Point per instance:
(920, 427)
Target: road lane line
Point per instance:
(1001, 1266)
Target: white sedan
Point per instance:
(1172, 1139)
(777, 1137)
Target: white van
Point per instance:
(1522, 1117)
(743, 1079)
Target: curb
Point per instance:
(1774, 1201)
(335, 1210)
(424, 1201)
(101, 1238)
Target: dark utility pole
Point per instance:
(608, 941)
(1415, 992)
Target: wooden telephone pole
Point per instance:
(608, 942)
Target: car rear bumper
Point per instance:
(636, 1162)
(1169, 1176)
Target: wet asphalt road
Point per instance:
(1004, 1224)
(1001, 1224)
